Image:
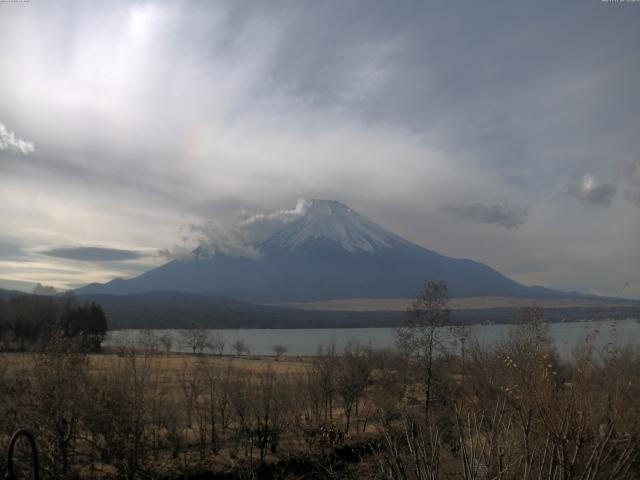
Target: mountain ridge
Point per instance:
(328, 252)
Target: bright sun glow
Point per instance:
(141, 19)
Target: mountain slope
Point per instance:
(9, 294)
(330, 252)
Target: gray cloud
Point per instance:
(41, 289)
(592, 191)
(240, 238)
(630, 175)
(11, 251)
(10, 143)
(178, 252)
(633, 196)
(505, 214)
(395, 109)
(93, 254)
(256, 228)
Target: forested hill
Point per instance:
(30, 321)
(8, 294)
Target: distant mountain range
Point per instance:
(328, 252)
(9, 294)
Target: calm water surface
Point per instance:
(307, 341)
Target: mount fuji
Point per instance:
(326, 252)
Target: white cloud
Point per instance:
(10, 143)
(257, 228)
(592, 191)
(242, 238)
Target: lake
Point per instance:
(306, 341)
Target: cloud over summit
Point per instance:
(240, 238)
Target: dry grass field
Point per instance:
(17, 361)
(174, 403)
(23, 364)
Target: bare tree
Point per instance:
(240, 347)
(319, 389)
(148, 341)
(217, 343)
(120, 415)
(60, 402)
(270, 410)
(190, 380)
(167, 342)
(196, 339)
(241, 403)
(353, 375)
(215, 398)
(421, 338)
(409, 453)
(279, 350)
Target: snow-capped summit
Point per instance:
(329, 221)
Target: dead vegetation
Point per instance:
(511, 411)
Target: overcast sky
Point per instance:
(506, 132)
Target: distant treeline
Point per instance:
(27, 322)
